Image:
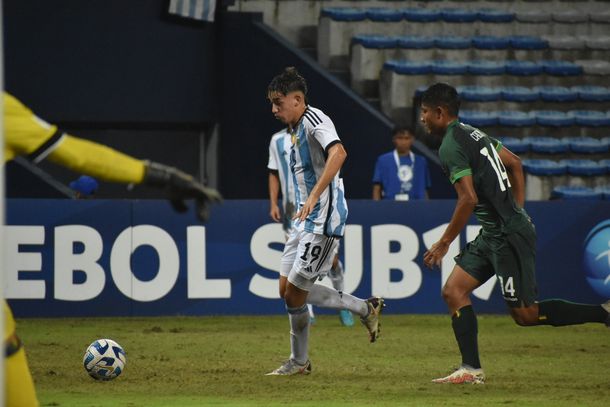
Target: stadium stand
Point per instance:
(576, 192)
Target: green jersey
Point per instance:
(466, 150)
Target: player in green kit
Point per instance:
(489, 181)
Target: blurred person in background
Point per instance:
(400, 174)
(27, 135)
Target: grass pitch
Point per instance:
(218, 361)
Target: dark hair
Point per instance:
(290, 80)
(402, 129)
(442, 94)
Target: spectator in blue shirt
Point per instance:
(400, 174)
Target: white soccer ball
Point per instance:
(104, 359)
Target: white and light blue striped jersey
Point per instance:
(279, 160)
(310, 139)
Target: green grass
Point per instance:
(214, 361)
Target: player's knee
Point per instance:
(449, 293)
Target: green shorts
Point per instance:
(512, 258)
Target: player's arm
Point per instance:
(99, 161)
(513, 166)
(336, 156)
(377, 192)
(466, 201)
(274, 193)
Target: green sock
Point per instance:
(561, 313)
(464, 324)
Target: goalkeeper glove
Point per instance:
(180, 186)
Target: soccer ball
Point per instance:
(104, 359)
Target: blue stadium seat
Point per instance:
(515, 118)
(575, 192)
(484, 67)
(561, 68)
(490, 42)
(409, 67)
(527, 42)
(556, 93)
(495, 16)
(590, 118)
(585, 168)
(516, 145)
(590, 93)
(523, 68)
(606, 162)
(479, 93)
(444, 67)
(452, 42)
(384, 14)
(344, 13)
(478, 118)
(421, 15)
(519, 94)
(415, 41)
(544, 167)
(375, 41)
(458, 15)
(553, 118)
(541, 176)
(587, 145)
(548, 145)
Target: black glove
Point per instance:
(181, 186)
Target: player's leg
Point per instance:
(306, 251)
(284, 278)
(368, 310)
(325, 297)
(516, 273)
(312, 315)
(19, 386)
(456, 293)
(336, 275)
(295, 316)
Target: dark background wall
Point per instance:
(109, 61)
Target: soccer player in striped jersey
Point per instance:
(316, 156)
(27, 135)
(488, 179)
(280, 178)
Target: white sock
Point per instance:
(299, 333)
(336, 276)
(310, 309)
(325, 297)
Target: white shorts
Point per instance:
(292, 229)
(307, 257)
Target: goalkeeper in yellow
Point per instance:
(29, 136)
